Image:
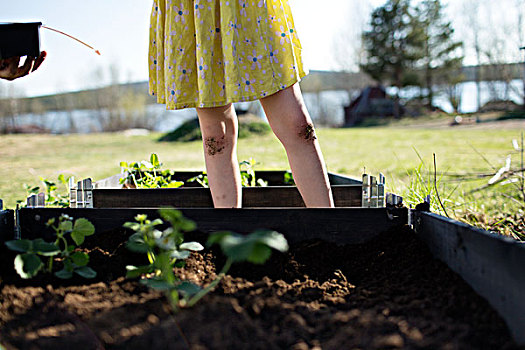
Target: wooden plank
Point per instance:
(493, 265)
(338, 179)
(273, 177)
(252, 197)
(7, 226)
(339, 225)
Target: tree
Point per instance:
(442, 56)
(392, 46)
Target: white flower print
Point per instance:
(185, 76)
(222, 88)
(293, 69)
(180, 13)
(248, 83)
(282, 33)
(203, 67)
(255, 59)
(273, 55)
(242, 4)
(198, 8)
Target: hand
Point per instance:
(10, 70)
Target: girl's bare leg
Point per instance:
(219, 135)
(291, 123)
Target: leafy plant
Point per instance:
(255, 248)
(167, 250)
(52, 197)
(248, 178)
(148, 174)
(29, 263)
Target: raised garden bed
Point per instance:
(106, 194)
(353, 278)
(386, 293)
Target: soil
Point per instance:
(389, 293)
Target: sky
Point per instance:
(119, 30)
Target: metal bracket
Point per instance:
(373, 192)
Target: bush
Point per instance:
(190, 131)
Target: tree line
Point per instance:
(412, 45)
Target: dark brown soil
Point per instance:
(389, 293)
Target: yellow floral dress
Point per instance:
(208, 53)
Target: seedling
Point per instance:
(52, 197)
(167, 249)
(148, 174)
(248, 174)
(29, 263)
(248, 178)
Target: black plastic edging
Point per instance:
(493, 265)
(337, 225)
(7, 225)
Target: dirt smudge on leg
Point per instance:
(308, 132)
(214, 146)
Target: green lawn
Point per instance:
(392, 151)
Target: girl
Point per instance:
(208, 54)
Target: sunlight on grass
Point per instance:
(393, 151)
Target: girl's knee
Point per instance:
(215, 145)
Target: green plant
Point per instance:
(52, 197)
(255, 248)
(148, 174)
(167, 250)
(29, 263)
(248, 178)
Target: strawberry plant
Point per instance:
(167, 249)
(29, 262)
(248, 178)
(52, 197)
(148, 174)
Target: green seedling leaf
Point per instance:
(65, 226)
(123, 164)
(44, 248)
(28, 265)
(80, 258)
(188, 289)
(157, 284)
(154, 160)
(273, 239)
(141, 217)
(179, 254)
(147, 164)
(137, 271)
(180, 263)
(64, 274)
(175, 184)
(193, 246)
(20, 245)
(86, 272)
(81, 229)
(259, 254)
(136, 243)
(217, 237)
(135, 226)
(254, 247)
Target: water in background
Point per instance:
(326, 107)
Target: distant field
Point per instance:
(392, 151)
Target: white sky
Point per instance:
(119, 29)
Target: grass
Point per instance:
(393, 151)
